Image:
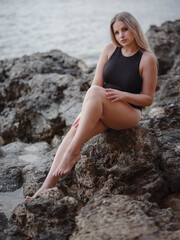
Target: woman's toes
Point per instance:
(58, 173)
(27, 198)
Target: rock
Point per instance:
(122, 162)
(40, 95)
(165, 120)
(164, 41)
(1, 152)
(108, 216)
(44, 219)
(172, 201)
(165, 110)
(166, 126)
(52, 194)
(14, 157)
(56, 141)
(168, 91)
(34, 176)
(3, 224)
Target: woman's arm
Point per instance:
(106, 53)
(149, 76)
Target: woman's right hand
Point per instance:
(76, 121)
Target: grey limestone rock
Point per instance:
(44, 218)
(3, 224)
(16, 156)
(164, 41)
(117, 217)
(40, 95)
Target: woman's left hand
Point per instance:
(114, 95)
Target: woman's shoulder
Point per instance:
(109, 49)
(148, 57)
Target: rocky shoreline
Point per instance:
(127, 184)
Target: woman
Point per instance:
(125, 80)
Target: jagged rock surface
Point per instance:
(40, 95)
(122, 162)
(14, 158)
(117, 217)
(44, 218)
(164, 41)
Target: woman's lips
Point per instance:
(123, 41)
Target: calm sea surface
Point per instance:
(79, 28)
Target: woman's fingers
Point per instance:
(109, 90)
(75, 122)
(115, 99)
(110, 94)
(76, 125)
(114, 95)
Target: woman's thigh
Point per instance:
(117, 115)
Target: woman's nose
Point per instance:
(121, 34)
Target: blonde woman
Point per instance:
(124, 82)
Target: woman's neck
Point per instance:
(129, 50)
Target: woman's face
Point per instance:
(122, 34)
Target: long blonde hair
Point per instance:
(134, 27)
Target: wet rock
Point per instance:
(164, 41)
(117, 217)
(14, 158)
(44, 218)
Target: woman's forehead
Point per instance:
(119, 24)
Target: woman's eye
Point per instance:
(125, 29)
(115, 33)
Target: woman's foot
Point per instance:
(67, 163)
(36, 194)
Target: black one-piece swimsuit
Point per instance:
(122, 73)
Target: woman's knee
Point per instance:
(95, 91)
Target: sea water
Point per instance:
(79, 28)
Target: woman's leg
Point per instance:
(96, 107)
(51, 180)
